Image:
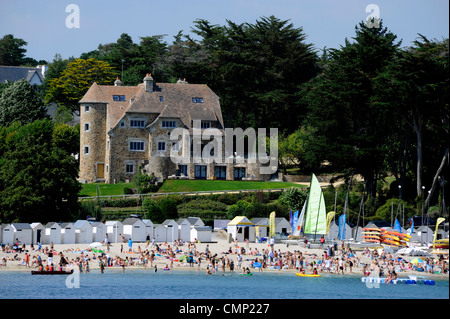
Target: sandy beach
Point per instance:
(219, 246)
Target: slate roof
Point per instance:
(16, 73)
(177, 102)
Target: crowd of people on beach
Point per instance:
(241, 257)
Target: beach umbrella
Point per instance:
(416, 261)
(95, 244)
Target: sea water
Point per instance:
(146, 284)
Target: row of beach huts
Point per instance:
(86, 232)
(138, 230)
(186, 229)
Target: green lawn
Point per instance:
(208, 185)
(171, 186)
(105, 189)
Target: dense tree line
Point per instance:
(370, 107)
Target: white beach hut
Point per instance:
(160, 233)
(38, 233)
(149, 228)
(241, 228)
(98, 231)
(261, 226)
(84, 232)
(8, 234)
(171, 230)
(114, 228)
(184, 229)
(53, 233)
(23, 233)
(195, 221)
(135, 229)
(68, 233)
(201, 234)
(425, 234)
(282, 226)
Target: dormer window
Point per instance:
(137, 123)
(119, 98)
(197, 100)
(206, 124)
(161, 99)
(169, 124)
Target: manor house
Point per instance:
(126, 128)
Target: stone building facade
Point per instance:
(126, 128)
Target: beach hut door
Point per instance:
(246, 232)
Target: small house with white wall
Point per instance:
(160, 233)
(53, 233)
(38, 233)
(23, 233)
(68, 233)
(282, 226)
(171, 230)
(84, 232)
(135, 229)
(425, 234)
(98, 232)
(201, 234)
(261, 226)
(241, 228)
(184, 229)
(8, 234)
(149, 228)
(114, 229)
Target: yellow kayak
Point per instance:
(306, 275)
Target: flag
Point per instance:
(294, 221)
(397, 226)
(439, 220)
(342, 227)
(290, 217)
(330, 216)
(272, 224)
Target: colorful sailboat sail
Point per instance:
(316, 216)
(300, 220)
(330, 217)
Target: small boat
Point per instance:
(53, 272)
(249, 274)
(306, 275)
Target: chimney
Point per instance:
(148, 83)
(117, 82)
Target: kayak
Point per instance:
(54, 272)
(246, 274)
(306, 275)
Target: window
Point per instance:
(220, 172)
(197, 100)
(137, 145)
(206, 124)
(119, 98)
(86, 150)
(161, 146)
(182, 170)
(86, 109)
(200, 171)
(169, 124)
(137, 123)
(239, 173)
(122, 124)
(161, 99)
(86, 127)
(129, 168)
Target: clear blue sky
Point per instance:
(325, 22)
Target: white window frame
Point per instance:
(136, 141)
(173, 124)
(140, 120)
(86, 108)
(132, 164)
(89, 126)
(163, 143)
(88, 150)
